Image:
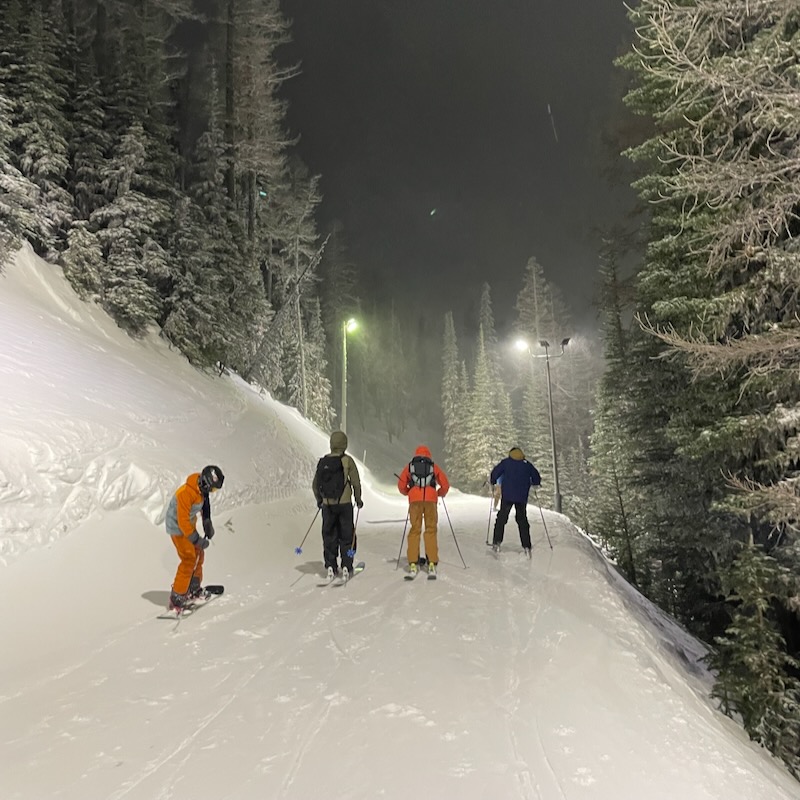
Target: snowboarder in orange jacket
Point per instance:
(188, 501)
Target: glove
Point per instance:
(194, 538)
(359, 504)
(319, 503)
(203, 543)
(208, 527)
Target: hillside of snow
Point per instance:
(547, 679)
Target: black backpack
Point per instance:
(420, 470)
(330, 478)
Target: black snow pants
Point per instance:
(337, 535)
(521, 513)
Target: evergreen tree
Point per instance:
(500, 425)
(320, 410)
(481, 440)
(36, 86)
(17, 194)
(83, 261)
(452, 394)
(757, 679)
(125, 227)
(613, 501)
(89, 144)
(191, 317)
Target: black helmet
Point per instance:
(211, 479)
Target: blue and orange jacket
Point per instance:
(187, 502)
(419, 493)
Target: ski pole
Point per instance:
(489, 521)
(352, 551)
(447, 514)
(536, 495)
(403, 539)
(299, 549)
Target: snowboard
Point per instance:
(209, 593)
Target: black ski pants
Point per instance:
(337, 535)
(521, 514)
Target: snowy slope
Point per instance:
(509, 679)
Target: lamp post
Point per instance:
(347, 327)
(523, 345)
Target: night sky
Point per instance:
(406, 106)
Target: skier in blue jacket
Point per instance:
(516, 476)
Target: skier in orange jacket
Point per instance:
(423, 483)
(188, 501)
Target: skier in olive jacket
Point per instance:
(336, 483)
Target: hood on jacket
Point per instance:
(423, 451)
(339, 441)
(516, 453)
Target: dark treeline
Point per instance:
(695, 450)
(142, 147)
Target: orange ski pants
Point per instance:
(191, 565)
(417, 512)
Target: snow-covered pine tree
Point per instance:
(83, 261)
(300, 259)
(481, 443)
(124, 227)
(500, 427)
(36, 85)
(190, 318)
(574, 385)
(255, 115)
(234, 293)
(320, 410)
(17, 193)
(613, 502)
(455, 405)
(90, 141)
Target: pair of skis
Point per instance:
(411, 575)
(526, 551)
(339, 580)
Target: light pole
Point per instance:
(348, 326)
(523, 345)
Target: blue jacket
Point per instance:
(518, 475)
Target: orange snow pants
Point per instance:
(191, 564)
(417, 512)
